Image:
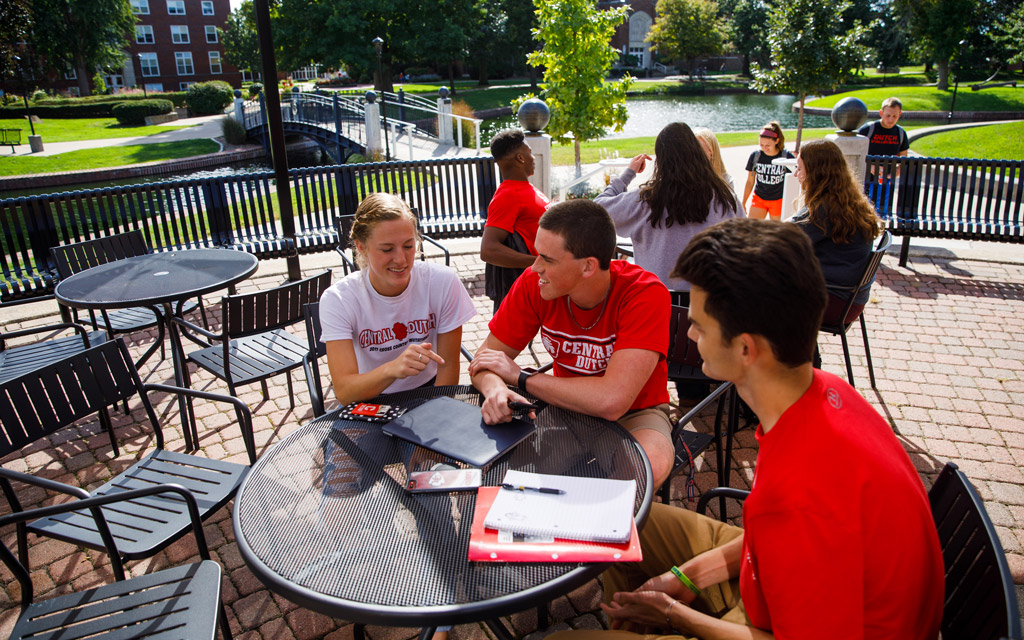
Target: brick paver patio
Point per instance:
(947, 355)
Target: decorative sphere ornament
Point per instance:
(849, 113)
(371, 97)
(534, 115)
(238, 93)
(443, 92)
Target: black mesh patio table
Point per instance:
(324, 519)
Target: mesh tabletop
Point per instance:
(155, 278)
(324, 519)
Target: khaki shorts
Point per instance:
(656, 418)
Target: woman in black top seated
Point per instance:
(840, 221)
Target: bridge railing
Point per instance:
(234, 212)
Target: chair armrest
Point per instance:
(77, 327)
(187, 328)
(692, 413)
(447, 255)
(346, 263)
(315, 387)
(241, 410)
(719, 492)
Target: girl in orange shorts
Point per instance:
(764, 178)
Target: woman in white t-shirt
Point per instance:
(397, 323)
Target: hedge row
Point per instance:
(134, 112)
(90, 107)
(177, 97)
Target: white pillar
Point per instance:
(444, 121)
(374, 148)
(790, 192)
(240, 110)
(855, 149)
(540, 144)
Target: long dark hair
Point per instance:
(831, 191)
(684, 185)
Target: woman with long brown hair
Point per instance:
(684, 196)
(839, 219)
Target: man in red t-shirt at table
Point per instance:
(605, 323)
(511, 227)
(838, 538)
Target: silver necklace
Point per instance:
(604, 303)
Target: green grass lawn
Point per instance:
(991, 142)
(105, 157)
(931, 99)
(70, 130)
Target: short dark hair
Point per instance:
(761, 277)
(585, 227)
(506, 142)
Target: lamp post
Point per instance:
(956, 82)
(24, 92)
(378, 44)
(142, 81)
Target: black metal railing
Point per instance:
(235, 212)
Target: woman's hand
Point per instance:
(413, 360)
(644, 609)
(638, 163)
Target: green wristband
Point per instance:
(686, 581)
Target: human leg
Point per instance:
(652, 428)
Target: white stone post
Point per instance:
(444, 121)
(374, 148)
(855, 149)
(540, 144)
(239, 107)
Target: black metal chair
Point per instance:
(841, 323)
(254, 344)
(684, 365)
(45, 401)
(343, 226)
(182, 602)
(981, 600)
(73, 258)
(21, 359)
(317, 350)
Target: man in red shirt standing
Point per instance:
(507, 244)
(605, 323)
(838, 538)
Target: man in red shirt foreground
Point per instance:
(605, 323)
(838, 538)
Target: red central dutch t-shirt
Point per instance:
(636, 317)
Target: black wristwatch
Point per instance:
(524, 373)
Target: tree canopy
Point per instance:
(937, 27)
(576, 55)
(1009, 32)
(686, 29)
(15, 27)
(239, 38)
(811, 51)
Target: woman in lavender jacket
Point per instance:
(684, 196)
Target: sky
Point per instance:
(235, 4)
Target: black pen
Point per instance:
(515, 405)
(516, 487)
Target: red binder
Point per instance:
(485, 547)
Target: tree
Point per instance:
(239, 38)
(810, 50)
(747, 20)
(85, 35)
(1008, 32)
(15, 26)
(686, 29)
(938, 26)
(576, 56)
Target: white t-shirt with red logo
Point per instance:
(636, 317)
(380, 327)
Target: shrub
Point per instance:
(205, 98)
(99, 87)
(254, 89)
(135, 111)
(460, 108)
(233, 130)
(38, 94)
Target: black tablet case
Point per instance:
(457, 430)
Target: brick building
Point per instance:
(629, 36)
(175, 45)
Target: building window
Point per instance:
(211, 33)
(179, 34)
(215, 62)
(150, 67)
(207, 7)
(140, 7)
(175, 7)
(155, 87)
(184, 61)
(144, 34)
(183, 86)
(70, 73)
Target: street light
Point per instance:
(142, 80)
(24, 92)
(378, 44)
(956, 83)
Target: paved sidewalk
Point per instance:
(947, 355)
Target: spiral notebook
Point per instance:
(595, 509)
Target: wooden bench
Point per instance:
(954, 198)
(11, 137)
